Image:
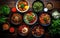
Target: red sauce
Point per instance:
(14, 9)
(5, 26)
(12, 29)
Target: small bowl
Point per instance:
(12, 30)
(20, 10)
(50, 6)
(6, 26)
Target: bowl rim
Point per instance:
(23, 34)
(34, 21)
(51, 4)
(40, 2)
(40, 21)
(16, 23)
(7, 24)
(19, 10)
(38, 26)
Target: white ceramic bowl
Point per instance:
(20, 10)
(30, 23)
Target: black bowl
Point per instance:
(40, 2)
(44, 24)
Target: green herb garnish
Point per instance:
(38, 6)
(22, 5)
(30, 18)
(3, 19)
(5, 10)
(55, 27)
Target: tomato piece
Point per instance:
(12, 29)
(25, 3)
(14, 9)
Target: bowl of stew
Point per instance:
(16, 18)
(37, 31)
(22, 5)
(45, 19)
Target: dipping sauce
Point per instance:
(6, 26)
(12, 30)
(49, 6)
(13, 9)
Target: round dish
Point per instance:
(37, 31)
(12, 30)
(23, 30)
(49, 6)
(44, 19)
(14, 9)
(30, 18)
(22, 6)
(6, 26)
(16, 18)
(38, 6)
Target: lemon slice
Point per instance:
(26, 7)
